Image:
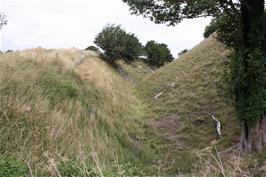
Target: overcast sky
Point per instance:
(75, 23)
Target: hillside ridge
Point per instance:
(181, 97)
(66, 111)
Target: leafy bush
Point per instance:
(13, 168)
(211, 28)
(117, 43)
(93, 48)
(158, 54)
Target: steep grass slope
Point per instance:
(66, 112)
(181, 97)
(134, 71)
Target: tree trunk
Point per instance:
(253, 138)
(252, 11)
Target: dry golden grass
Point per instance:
(65, 104)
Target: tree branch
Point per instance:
(231, 3)
(231, 9)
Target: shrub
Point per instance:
(211, 28)
(158, 54)
(93, 48)
(9, 51)
(117, 43)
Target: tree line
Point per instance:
(116, 44)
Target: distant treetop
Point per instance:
(3, 20)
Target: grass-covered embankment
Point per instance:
(181, 97)
(66, 108)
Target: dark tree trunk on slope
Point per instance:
(252, 137)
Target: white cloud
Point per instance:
(74, 23)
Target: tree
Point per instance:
(219, 24)
(158, 54)
(117, 43)
(3, 20)
(248, 41)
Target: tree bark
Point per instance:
(252, 137)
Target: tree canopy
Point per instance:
(173, 12)
(222, 24)
(117, 43)
(158, 53)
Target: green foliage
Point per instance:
(173, 12)
(226, 29)
(247, 71)
(117, 43)
(158, 54)
(93, 48)
(10, 167)
(250, 93)
(211, 28)
(245, 66)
